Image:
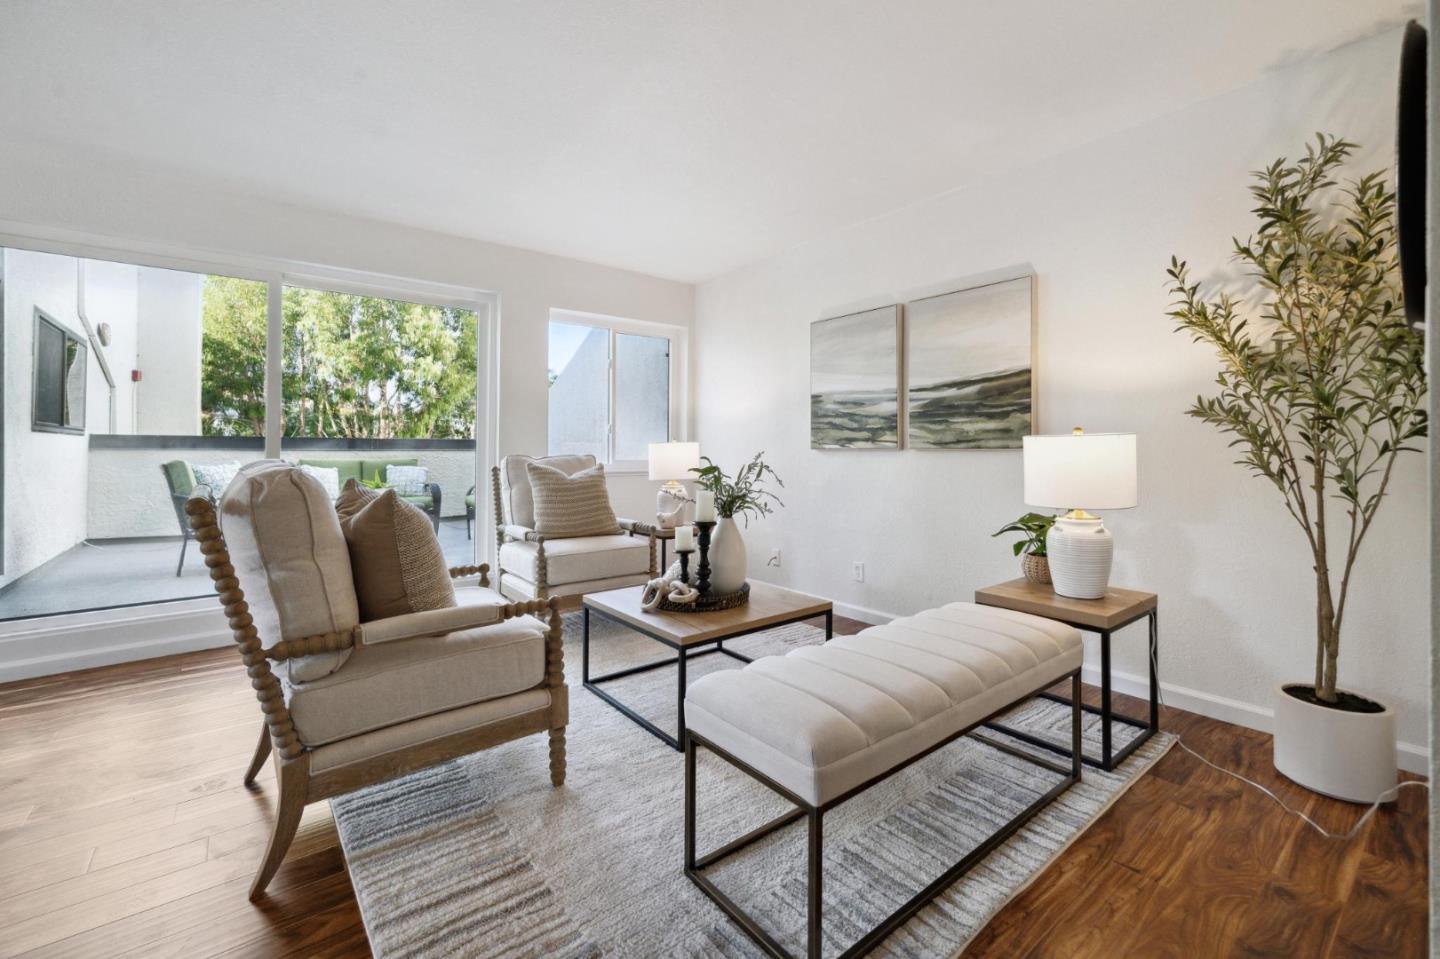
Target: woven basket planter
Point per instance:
(1035, 568)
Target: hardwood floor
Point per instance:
(125, 831)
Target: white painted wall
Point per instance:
(167, 398)
(1097, 226)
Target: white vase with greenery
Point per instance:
(1321, 388)
(742, 496)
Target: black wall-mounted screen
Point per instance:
(1410, 171)
(60, 369)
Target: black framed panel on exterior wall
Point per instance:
(58, 371)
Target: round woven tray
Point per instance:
(710, 602)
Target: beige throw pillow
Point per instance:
(571, 505)
(396, 560)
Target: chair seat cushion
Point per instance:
(824, 719)
(422, 502)
(390, 683)
(580, 559)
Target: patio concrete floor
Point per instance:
(101, 573)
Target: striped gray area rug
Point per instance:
(481, 857)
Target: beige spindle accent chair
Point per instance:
(350, 704)
(535, 566)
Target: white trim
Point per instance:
(863, 614)
(1413, 758)
(71, 641)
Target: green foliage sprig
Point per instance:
(743, 496)
(1323, 390)
(1033, 527)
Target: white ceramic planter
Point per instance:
(1344, 755)
(727, 558)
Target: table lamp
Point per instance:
(1077, 472)
(672, 462)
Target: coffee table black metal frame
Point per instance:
(1109, 758)
(684, 653)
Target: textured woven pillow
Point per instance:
(395, 558)
(571, 504)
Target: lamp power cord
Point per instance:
(1388, 795)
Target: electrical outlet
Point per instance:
(857, 570)
(774, 558)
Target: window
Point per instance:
(60, 364)
(610, 388)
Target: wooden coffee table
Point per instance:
(692, 635)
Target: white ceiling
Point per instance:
(681, 139)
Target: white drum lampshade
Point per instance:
(1081, 471)
(672, 462)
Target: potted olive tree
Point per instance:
(1320, 386)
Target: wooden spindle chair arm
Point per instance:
(483, 569)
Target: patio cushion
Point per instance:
(580, 559)
(470, 500)
(291, 559)
(349, 469)
(425, 502)
(516, 502)
(180, 477)
(391, 683)
(395, 558)
(375, 468)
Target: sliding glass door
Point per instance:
(142, 384)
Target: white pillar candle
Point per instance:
(704, 506)
(684, 538)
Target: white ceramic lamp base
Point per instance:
(1080, 552)
(670, 503)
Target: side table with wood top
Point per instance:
(1114, 611)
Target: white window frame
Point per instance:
(679, 344)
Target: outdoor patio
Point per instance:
(121, 572)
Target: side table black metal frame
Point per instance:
(684, 653)
(1109, 758)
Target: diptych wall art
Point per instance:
(966, 381)
(855, 381)
(969, 370)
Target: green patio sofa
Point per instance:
(373, 470)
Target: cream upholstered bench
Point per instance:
(824, 723)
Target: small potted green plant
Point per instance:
(1034, 561)
(743, 495)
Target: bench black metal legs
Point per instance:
(814, 818)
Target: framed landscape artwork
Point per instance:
(970, 367)
(855, 381)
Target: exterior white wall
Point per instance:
(1097, 226)
(111, 297)
(167, 398)
(45, 473)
